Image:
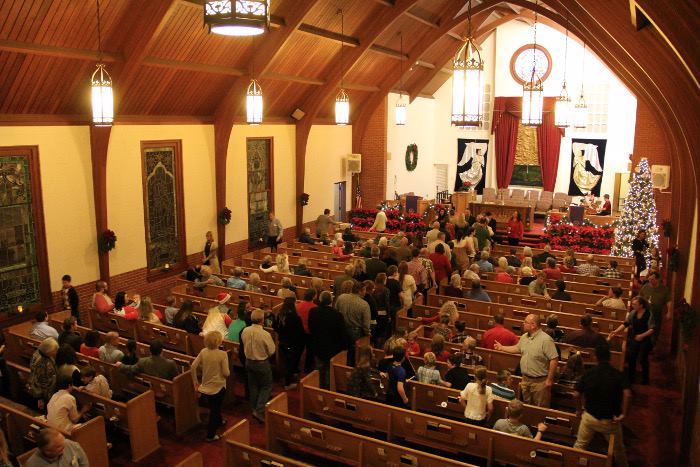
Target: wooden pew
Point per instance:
(287, 432)
(21, 430)
(561, 426)
(434, 433)
(484, 322)
(172, 338)
(536, 305)
(110, 322)
(504, 250)
(178, 394)
(494, 287)
(572, 284)
(137, 418)
(425, 334)
(239, 453)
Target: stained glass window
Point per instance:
(163, 211)
(20, 268)
(260, 194)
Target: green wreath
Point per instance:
(411, 157)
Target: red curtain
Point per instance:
(505, 131)
(548, 144)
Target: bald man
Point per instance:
(538, 362)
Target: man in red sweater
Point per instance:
(498, 333)
(551, 270)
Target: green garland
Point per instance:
(411, 157)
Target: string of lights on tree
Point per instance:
(638, 213)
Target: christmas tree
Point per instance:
(638, 213)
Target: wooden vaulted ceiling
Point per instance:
(164, 63)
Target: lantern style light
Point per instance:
(102, 97)
(254, 103)
(467, 70)
(342, 108)
(533, 100)
(581, 109)
(562, 106)
(401, 111)
(101, 84)
(342, 101)
(237, 17)
(533, 91)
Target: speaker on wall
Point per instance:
(298, 114)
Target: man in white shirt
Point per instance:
(379, 221)
(432, 235)
(41, 329)
(63, 413)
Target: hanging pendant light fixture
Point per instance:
(401, 109)
(533, 91)
(562, 106)
(342, 102)
(467, 70)
(101, 83)
(254, 98)
(237, 17)
(581, 109)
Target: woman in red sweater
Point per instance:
(516, 229)
(441, 264)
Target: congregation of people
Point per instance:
(382, 277)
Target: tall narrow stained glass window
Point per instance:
(163, 206)
(260, 192)
(24, 280)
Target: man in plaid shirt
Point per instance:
(588, 268)
(612, 272)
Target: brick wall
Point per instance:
(650, 142)
(373, 150)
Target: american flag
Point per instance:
(358, 196)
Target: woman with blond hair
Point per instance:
(209, 255)
(408, 285)
(207, 278)
(146, 312)
(215, 322)
(215, 370)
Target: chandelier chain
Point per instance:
(401, 64)
(99, 32)
(566, 47)
(583, 68)
(342, 42)
(469, 19)
(534, 44)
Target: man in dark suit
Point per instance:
(374, 264)
(326, 327)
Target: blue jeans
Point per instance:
(259, 384)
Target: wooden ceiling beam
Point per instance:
(386, 51)
(327, 34)
(422, 20)
(59, 52)
(273, 43)
(151, 21)
(198, 67)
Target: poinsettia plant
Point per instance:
(582, 238)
